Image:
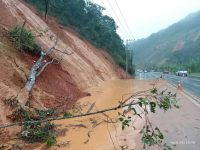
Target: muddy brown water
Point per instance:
(92, 132)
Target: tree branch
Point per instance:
(52, 48)
(70, 53)
(70, 117)
(42, 69)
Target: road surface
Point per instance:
(189, 84)
(181, 127)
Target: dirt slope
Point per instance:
(60, 85)
(86, 66)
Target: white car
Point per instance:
(182, 73)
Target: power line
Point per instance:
(128, 35)
(106, 9)
(125, 28)
(117, 17)
(123, 17)
(103, 6)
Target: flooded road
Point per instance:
(180, 126)
(94, 133)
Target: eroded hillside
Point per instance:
(61, 84)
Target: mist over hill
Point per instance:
(177, 46)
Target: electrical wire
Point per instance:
(122, 25)
(123, 18)
(126, 33)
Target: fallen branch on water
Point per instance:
(69, 117)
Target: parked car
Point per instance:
(182, 73)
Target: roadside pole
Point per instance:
(127, 54)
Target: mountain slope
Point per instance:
(179, 43)
(61, 84)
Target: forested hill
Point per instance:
(174, 47)
(87, 19)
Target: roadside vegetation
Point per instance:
(88, 20)
(192, 67)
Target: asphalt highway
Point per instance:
(189, 84)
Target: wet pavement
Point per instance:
(189, 84)
(181, 127)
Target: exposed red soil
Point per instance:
(56, 82)
(59, 30)
(6, 19)
(58, 86)
(54, 87)
(61, 34)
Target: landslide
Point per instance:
(60, 85)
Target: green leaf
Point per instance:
(154, 91)
(160, 135)
(134, 110)
(50, 142)
(67, 115)
(121, 119)
(140, 98)
(166, 147)
(140, 104)
(122, 148)
(152, 107)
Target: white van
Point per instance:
(182, 73)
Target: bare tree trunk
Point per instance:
(34, 72)
(37, 69)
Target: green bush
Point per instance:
(33, 129)
(38, 132)
(51, 141)
(24, 40)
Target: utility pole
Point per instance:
(127, 54)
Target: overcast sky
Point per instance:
(147, 16)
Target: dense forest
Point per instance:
(87, 18)
(176, 47)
